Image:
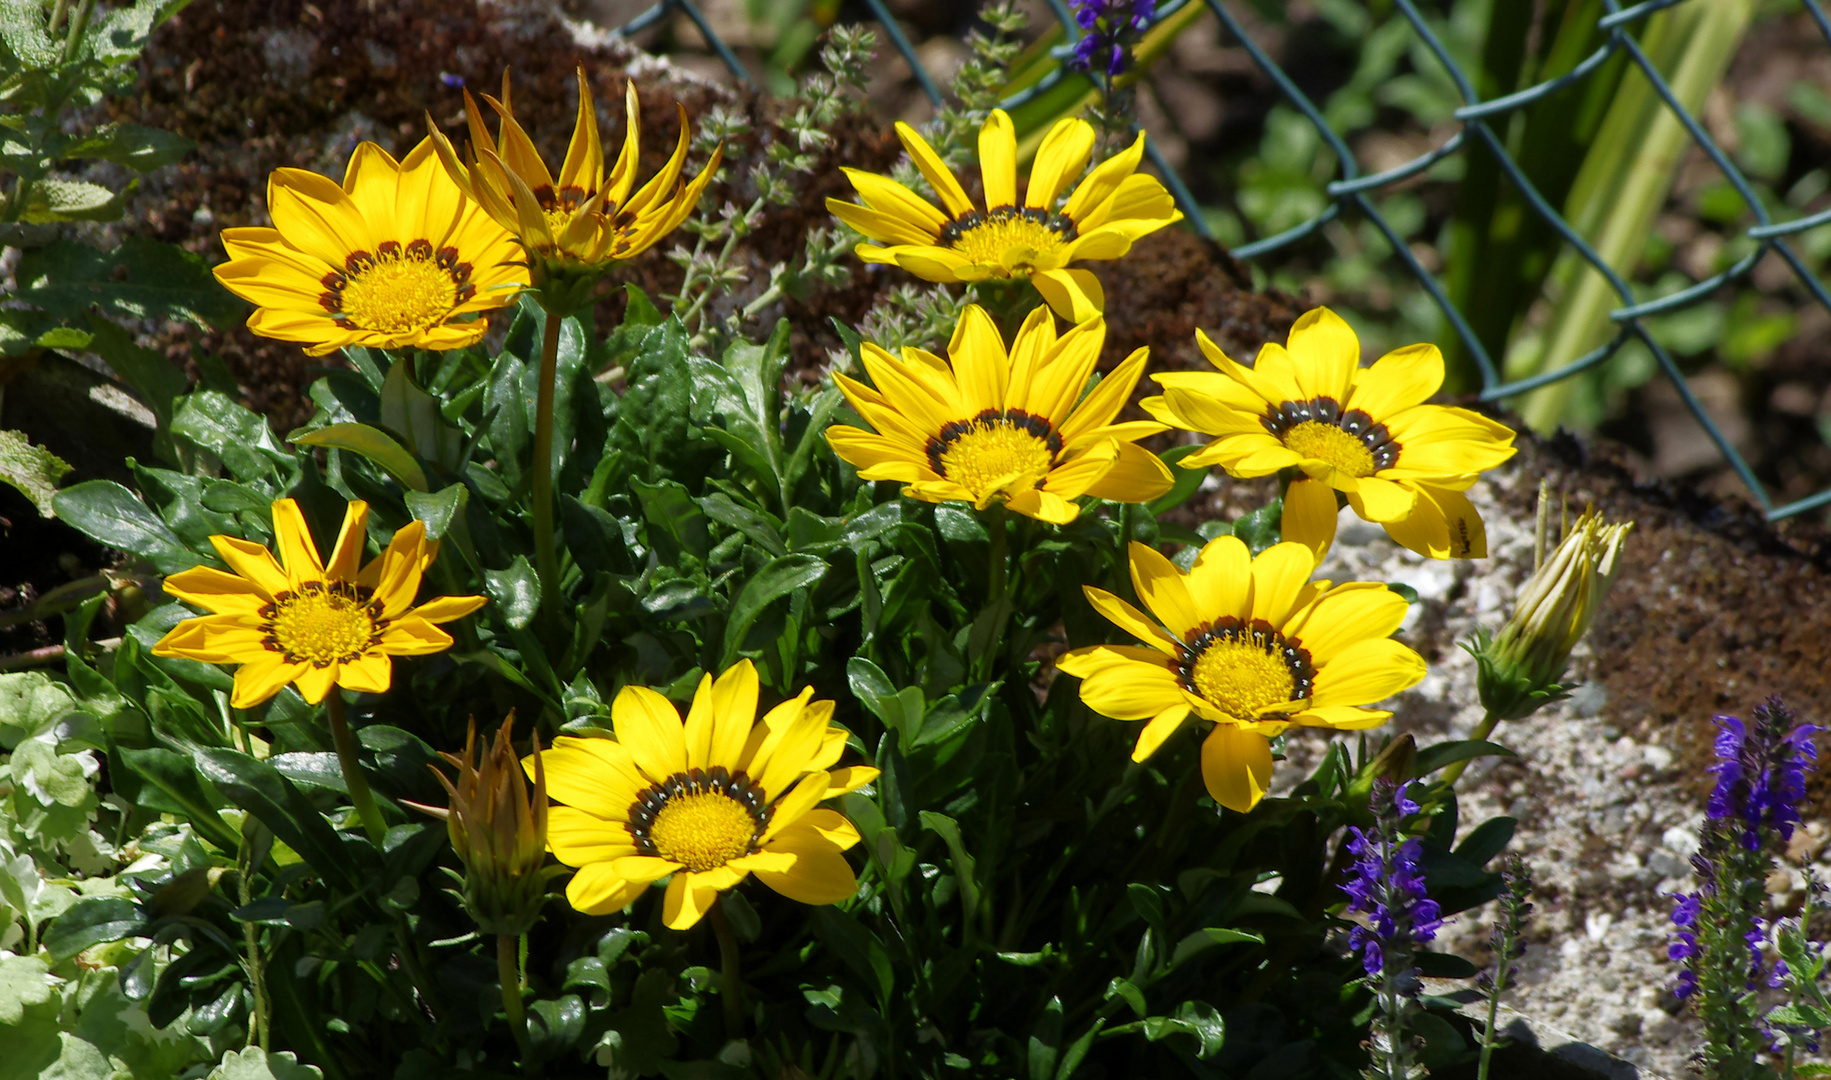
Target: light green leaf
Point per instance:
(22, 29)
(142, 149)
(254, 1063)
(25, 981)
(80, 1059)
(373, 444)
(53, 200)
(34, 470)
(30, 702)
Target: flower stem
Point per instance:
(997, 585)
(508, 973)
(352, 769)
(1489, 722)
(1487, 1032)
(546, 559)
(251, 937)
(730, 978)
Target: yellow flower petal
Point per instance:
(577, 838)
(1368, 671)
(1160, 728)
(1160, 586)
(1236, 766)
(214, 590)
(598, 776)
(998, 160)
(820, 875)
(1443, 525)
(691, 895)
(1220, 581)
(1075, 295)
(297, 551)
(371, 673)
(650, 726)
(1309, 516)
(1328, 354)
(1132, 621)
(934, 170)
(595, 890)
(1063, 153)
(261, 677)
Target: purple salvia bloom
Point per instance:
(1108, 29)
(1386, 885)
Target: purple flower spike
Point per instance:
(1387, 886)
(1108, 28)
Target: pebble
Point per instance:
(1596, 925)
(1683, 841)
(1657, 758)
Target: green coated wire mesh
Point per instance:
(1479, 130)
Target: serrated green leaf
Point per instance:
(22, 30)
(253, 1063)
(34, 470)
(142, 149)
(158, 281)
(53, 200)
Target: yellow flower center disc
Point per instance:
(321, 624)
(995, 451)
(1011, 238)
(702, 831)
(1241, 668)
(399, 292)
(1328, 443)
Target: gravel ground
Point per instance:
(1607, 818)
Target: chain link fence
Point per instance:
(1478, 121)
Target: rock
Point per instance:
(1663, 864)
(1683, 841)
(1351, 531)
(1657, 758)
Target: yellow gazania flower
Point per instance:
(576, 225)
(708, 801)
(302, 621)
(1251, 644)
(393, 258)
(1003, 427)
(1111, 208)
(1365, 432)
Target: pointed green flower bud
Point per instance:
(498, 832)
(1520, 668)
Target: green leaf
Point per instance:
(1489, 839)
(1046, 1041)
(172, 775)
(515, 592)
(1261, 528)
(156, 380)
(413, 414)
(1207, 938)
(772, 583)
(109, 513)
(158, 281)
(30, 702)
(258, 788)
(440, 509)
(753, 524)
(91, 922)
(374, 444)
(253, 1063)
(1439, 755)
(53, 200)
(949, 831)
(857, 947)
(141, 149)
(24, 982)
(238, 437)
(22, 28)
(34, 470)
(901, 711)
(670, 507)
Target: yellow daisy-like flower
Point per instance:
(573, 226)
(300, 620)
(1365, 432)
(993, 426)
(1102, 217)
(1252, 645)
(709, 800)
(393, 258)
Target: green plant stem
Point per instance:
(546, 559)
(508, 973)
(997, 584)
(79, 22)
(1487, 1031)
(352, 769)
(257, 979)
(1482, 731)
(730, 975)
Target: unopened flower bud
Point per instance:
(1520, 669)
(498, 832)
